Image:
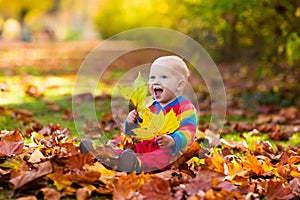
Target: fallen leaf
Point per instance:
(50, 194)
(192, 151)
(252, 165)
(27, 198)
(215, 161)
(33, 91)
(54, 107)
(275, 189)
(292, 160)
(19, 181)
(36, 156)
(295, 186)
(279, 135)
(11, 143)
(68, 115)
(83, 194)
(156, 188)
(128, 185)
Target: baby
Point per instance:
(167, 79)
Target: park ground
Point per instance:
(256, 152)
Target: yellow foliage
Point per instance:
(137, 93)
(154, 125)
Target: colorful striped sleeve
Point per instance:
(184, 135)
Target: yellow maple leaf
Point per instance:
(156, 124)
(137, 93)
(152, 124)
(171, 123)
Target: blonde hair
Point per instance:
(174, 61)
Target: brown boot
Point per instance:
(86, 146)
(128, 161)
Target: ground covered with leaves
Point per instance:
(43, 162)
(256, 154)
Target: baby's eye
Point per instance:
(164, 77)
(152, 77)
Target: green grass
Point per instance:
(56, 90)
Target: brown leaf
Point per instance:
(83, 194)
(69, 148)
(19, 181)
(4, 175)
(174, 176)
(77, 161)
(92, 129)
(265, 128)
(33, 91)
(45, 131)
(50, 194)
(84, 97)
(290, 113)
(203, 181)
(279, 135)
(156, 188)
(24, 113)
(54, 107)
(242, 126)
(242, 146)
(37, 127)
(188, 154)
(276, 190)
(263, 119)
(295, 186)
(227, 186)
(27, 198)
(11, 143)
(68, 115)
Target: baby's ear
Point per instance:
(181, 85)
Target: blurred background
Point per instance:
(256, 30)
(256, 44)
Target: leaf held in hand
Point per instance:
(156, 124)
(137, 93)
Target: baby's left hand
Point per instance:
(165, 141)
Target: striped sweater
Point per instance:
(187, 115)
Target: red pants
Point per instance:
(152, 157)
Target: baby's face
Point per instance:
(164, 83)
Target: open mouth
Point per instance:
(158, 92)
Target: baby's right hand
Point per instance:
(132, 117)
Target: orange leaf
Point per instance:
(128, 185)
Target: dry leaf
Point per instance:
(11, 143)
(50, 194)
(19, 181)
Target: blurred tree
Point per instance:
(20, 10)
(265, 30)
(115, 16)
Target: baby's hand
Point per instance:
(165, 141)
(132, 117)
